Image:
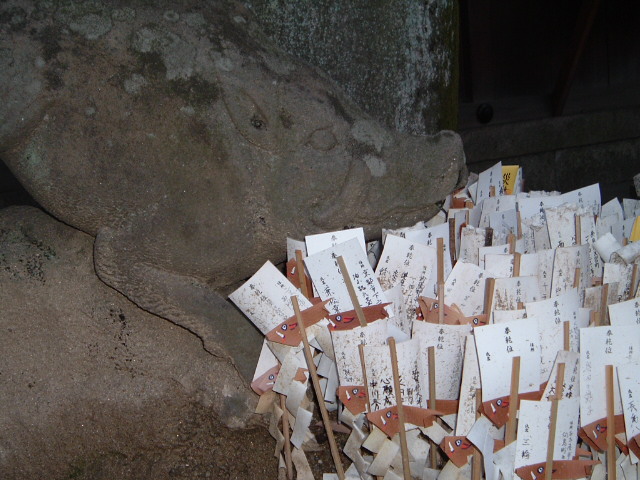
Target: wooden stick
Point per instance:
(492, 191)
(490, 285)
(452, 240)
(301, 276)
(287, 436)
(431, 352)
(510, 430)
(578, 230)
(440, 279)
(352, 292)
(634, 279)
(603, 304)
(576, 278)
(488, 237)
(567, 335)
(519, 224)
(476, 467)
(364, 374)
(594, 315)
(316, 386)
(551, 440)
(511, 240)
(611, 430)
(404, 449)
(516, 264)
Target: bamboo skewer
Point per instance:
(452, 240)
(287, 437)
(352, 292)
(364, 374)
(510, 430)
(316, 386)
(611, 430)
(404, 449)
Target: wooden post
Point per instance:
(352, 292)
(287, 436)
(576, 278)
(301, 276)
(603, 305)
(634, 279)
(567, 335)
(476, 467)
(516, 264)
(548, 470)
(511, 240)
(578, 220)
(316, 386)
(611, 424)
(440, 279)
(364, 374)
(404, 449)
(431, 352)
(511, 427)
(452, 240)
(490, 285)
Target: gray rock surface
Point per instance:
(397, 60)
(191, 147)
(90, 383)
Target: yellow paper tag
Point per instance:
(635, 231)
(509, 175)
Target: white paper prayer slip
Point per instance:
(534, 422)
(586, 198)
(565, 262)
(502, 316)
(510, 291)
(588, 236)
(483, 435)
(561, 223)
(380, 376)
(322, 241)
(497, 345)
(557, 310)
(601, 346)
(293, 245)
(408, 264)
(471, 239)
(266, 298)
(606, 245)
(465, 287)
(499, 264)
(630, 396)
(625, 313)
(470, 382)
(490, 179)
(540, 265)
(499, 203)
(531, 206)
(571, 380)
(345, 347)
(622, 275)
(447, 340)
(328, 280)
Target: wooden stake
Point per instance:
(519, 224)
(364, 374)
(404, 449)
(576, 277)
(440, 279)
(287, 436)
(452, 240)
(594, 315)
(492, 191)
(611, 421)
(516, 264)
(548, 470)
(476, 467)
(490, 286)
(511, 240)
(578, 230)
(316, 386)
(301, 276)
(431, 352)
(510, 430)
(352, 292)
(603, 304)
(488, 237)
(567, 335)
(634, 279)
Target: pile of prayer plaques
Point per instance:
(499, 339)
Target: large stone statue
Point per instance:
(191, 147)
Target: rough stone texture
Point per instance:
(397, 60)
(93, 387)
(191, 147)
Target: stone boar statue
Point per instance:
(191, 146)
